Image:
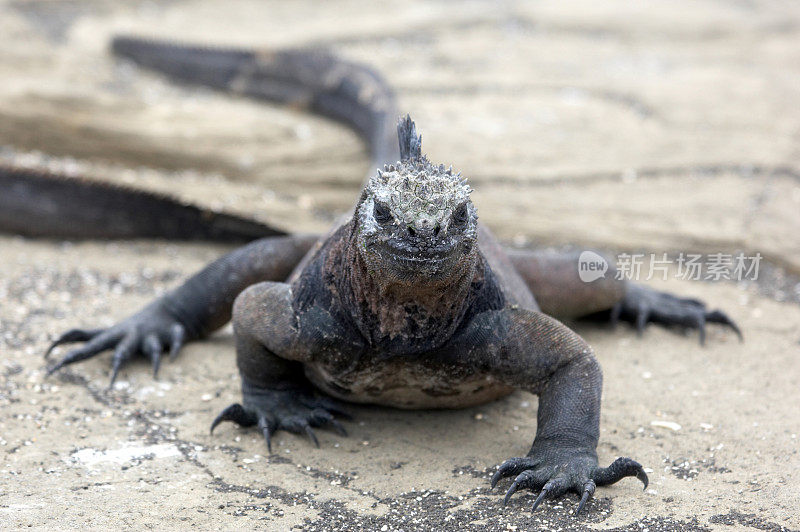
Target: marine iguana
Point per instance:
(408, 302)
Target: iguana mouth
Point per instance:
(420, 259)
(437, 255)
(422, 265)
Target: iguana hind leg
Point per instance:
(553, 278)
(642, 305)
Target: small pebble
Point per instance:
(671, 425)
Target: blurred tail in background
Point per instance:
(42, 204)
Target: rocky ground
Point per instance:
(649, 127)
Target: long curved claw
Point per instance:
(124, 351)
(177, 339)
(642, 316)
(53, 369)
(267, 429)
(235, 413)
(311, 435)
(338, 427)
(588, 492)
(556, 487)
(156, 361)
(619, 469)
(526, 479)
(96, 345)
(331, 406)
(512, 466)
(496, 478)
(700, 323)
(73, 335)
(153, 348)
(642, 476)
(322, 418)
(540, 498)
(717, 316)
(511, 491)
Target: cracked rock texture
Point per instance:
(651, 127)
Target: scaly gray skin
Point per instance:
(409, 303)
(405, 306)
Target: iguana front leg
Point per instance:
(534, 352)
(269, 350)
(553, 278)
(196, 308)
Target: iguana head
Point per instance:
(415, 219)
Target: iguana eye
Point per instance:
(382, 213)
(461, 215)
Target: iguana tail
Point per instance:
(349, 92)
(37, 203)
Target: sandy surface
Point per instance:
(657, 127)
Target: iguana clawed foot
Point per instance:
(291, 410)
(642, 305)
(564, 471)
(150, 332)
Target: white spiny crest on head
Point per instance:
(416, 192)
(414, 189)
